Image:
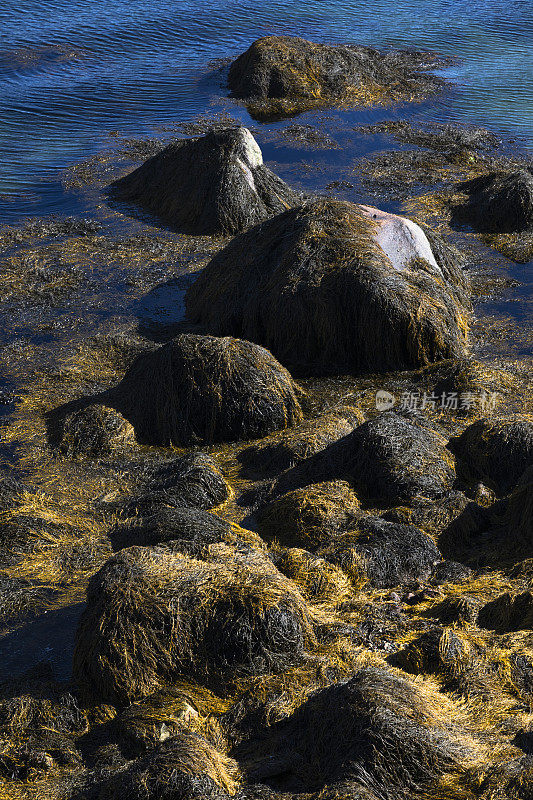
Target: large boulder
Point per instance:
(335, 287)
(215, 184)
(199, 389)
(499, 202)
(153, 615)
(383, 554)
(284, 75)
(496, 451)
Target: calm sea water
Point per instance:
(72, 71)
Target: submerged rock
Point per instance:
(499, 202)
(497, 451)
(329, 288)
(153, 615)
(198, 389)
(284, 75)
(215, 184)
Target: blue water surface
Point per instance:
(73, 71)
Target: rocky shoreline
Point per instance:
(292, 517)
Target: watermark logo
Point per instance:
(447, 401)
(384, 400)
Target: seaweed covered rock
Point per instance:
(144, 724)
(328, 288)
(497, 451)
(153, 616)
(501, 534)
(215, 184)
(207, 389)
(192, 481)
(95, 430)
(39, 718)
(508, 613)
(517, 520)
(319, 580)
(285, 75)
(186, 767)
(387, 458)
(499, 202)
(432, 516)
(384, 554)
(285, 449)
(188, 529)
(378, 728)
(465, 383)
(310, 516)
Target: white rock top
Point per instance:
(250, 156)
(251, 152)
(400, 239)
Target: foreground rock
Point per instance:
(496, 451)
(199, 389)
(499, 202)
(335, 287)
(284, 75)
(153, 615)
(216, 184)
